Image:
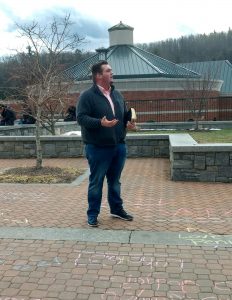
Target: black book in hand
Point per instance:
(131, 115)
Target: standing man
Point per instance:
(103, 117)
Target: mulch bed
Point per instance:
(42, 175)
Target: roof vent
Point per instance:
(121, 34)
(102, 53)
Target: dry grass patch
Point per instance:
(201, 136)
(43, 175)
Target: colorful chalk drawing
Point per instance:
(139, 283)
(42, 263)
(101, 257)
(164, 213)
(206, 239)
(202, 216)
(180, 288)
(4, 254)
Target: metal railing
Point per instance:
(182, 109)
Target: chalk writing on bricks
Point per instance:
(89, 257)
(201, 215)
(146, 267)
(42, 263)
(5, 256)
(7, 216)
(206, 239)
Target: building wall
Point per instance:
(168, 106)
(225, 108)
(152, 95)
(147, 95)
(161, 106)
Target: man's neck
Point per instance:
(104, 85)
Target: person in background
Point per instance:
(104, 118)
(71, 114)
(7, 116)
(27, 118)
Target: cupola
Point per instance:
(121, 34)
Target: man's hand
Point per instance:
(107, 123)
(131, 126)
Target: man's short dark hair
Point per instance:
(97, 68)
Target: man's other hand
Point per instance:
(107, 123)
(131, 126)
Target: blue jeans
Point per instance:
(105, 162)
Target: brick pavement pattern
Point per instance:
(45, 269)
(80, 270)
(157, 203)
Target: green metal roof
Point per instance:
(128, 61)
(219, 69)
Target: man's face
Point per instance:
(107, 75)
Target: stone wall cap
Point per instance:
(181, 139)
(227, 147)
(134, 136)
(185, 143)
(42, 138)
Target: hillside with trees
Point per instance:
(200, 47)
(10, 84)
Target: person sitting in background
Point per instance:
(28, 119)
(71, 114)
(8, 115)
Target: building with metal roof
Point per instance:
(142, 77)
(129, 61)
(134, 68)
(219, 69)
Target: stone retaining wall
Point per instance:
(52, 146)
(191, 161)
(72, 146)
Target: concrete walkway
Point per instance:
(179, 245)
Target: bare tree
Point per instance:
(45, 90)
(198, 93)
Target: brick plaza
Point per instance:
(177, 247)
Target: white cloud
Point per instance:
(153, 20)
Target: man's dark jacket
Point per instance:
(92, 107)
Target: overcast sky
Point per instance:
(153, 20)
